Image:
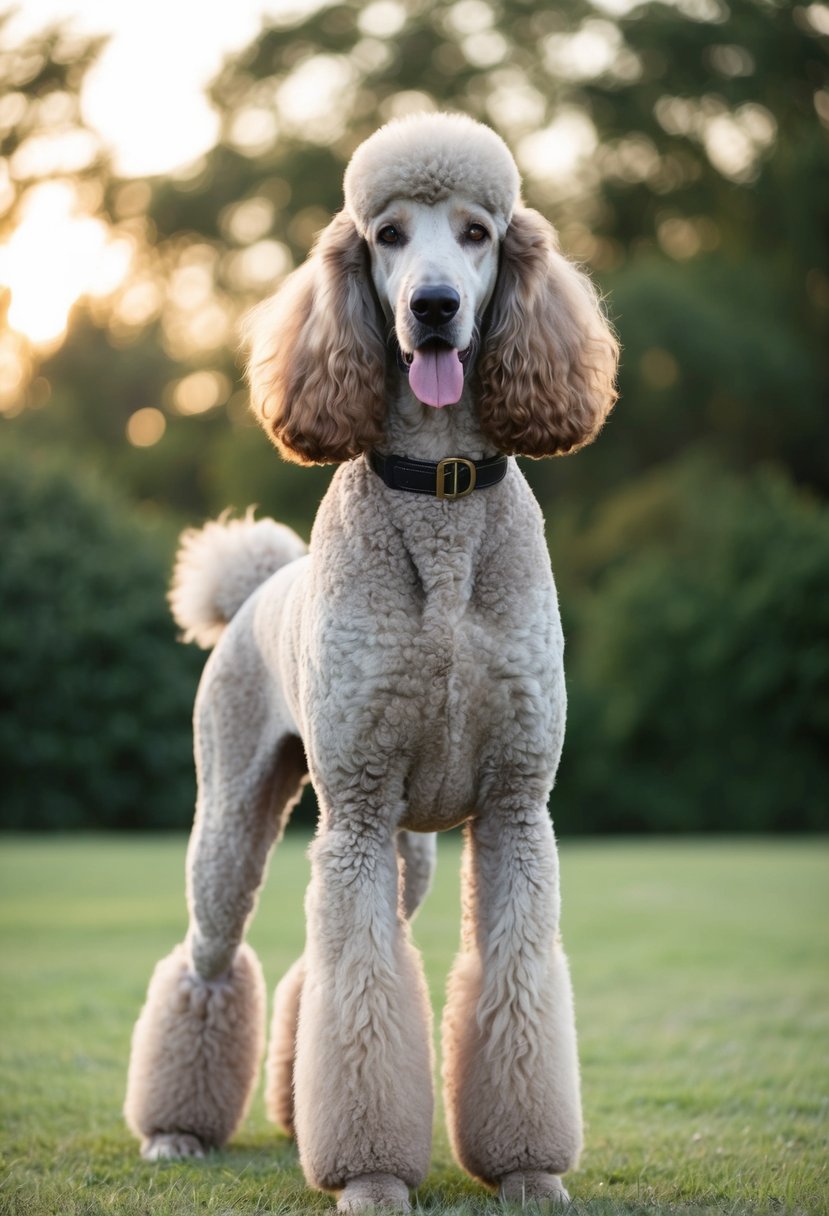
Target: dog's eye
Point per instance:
(477, 234)
(389, 235)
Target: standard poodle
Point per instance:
(410, 663)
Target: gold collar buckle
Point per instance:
(448, 473)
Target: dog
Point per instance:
(410, 663)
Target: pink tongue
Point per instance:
(436, 376)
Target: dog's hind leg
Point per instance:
(416, 862)
(198, 1041)
(417, 853)
(279, 1066)
(511, 1079)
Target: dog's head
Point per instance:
(433, 270)
(432, 198)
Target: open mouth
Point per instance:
(436, 372)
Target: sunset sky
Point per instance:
(146, 98)
(146, 93)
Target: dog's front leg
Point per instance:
(198, 1041)
(511, 1076)
(363, 1084)
(416, 858)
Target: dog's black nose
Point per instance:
(435, 305)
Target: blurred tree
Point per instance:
(681, 150)
(42, 133)
(51, 165)
(697, 195)
(702, 205)
(95, 693)
(713, 223)
(699, 677)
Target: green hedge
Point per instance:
(699, 670)
(696, 608)
(95, 692)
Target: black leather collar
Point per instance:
(449, 479)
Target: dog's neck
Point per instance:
(422, 432)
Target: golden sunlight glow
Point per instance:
(145, 427)
(15, 370)
(515, 105)
(201, 391)
(53, 257)
(469, 17)
(555, 153)
(123, 105)
(145, 94)
(383, 19)
(733, 140)
(583, 55)
(313, 98)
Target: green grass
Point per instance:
(702, 988)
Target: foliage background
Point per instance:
(681, 151)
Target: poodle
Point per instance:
(410, 664)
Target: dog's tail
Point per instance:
(218, 566)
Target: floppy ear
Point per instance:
(548, 364)
(317, 357)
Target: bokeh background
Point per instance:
(681, 150)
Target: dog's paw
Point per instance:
(533, 1186)
(370, 1192)
(172, 1146)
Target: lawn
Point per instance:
(702, 988)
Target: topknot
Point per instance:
(427, 157)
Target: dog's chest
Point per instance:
(452, 721)
(482, 678)
(433, 652)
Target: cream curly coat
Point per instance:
(416, 652)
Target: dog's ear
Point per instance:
(548, 363)
(317, 357)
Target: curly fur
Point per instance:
(318, 355)
(219, 566)
(196, 1049)
(548, 365)
(459, 156)
(318, 361)
(411, 664)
